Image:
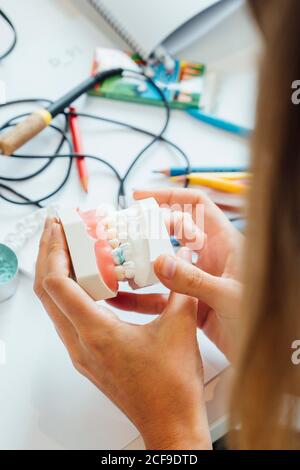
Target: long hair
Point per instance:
(264, 395)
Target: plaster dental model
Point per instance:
(108, 247)
(16, 240)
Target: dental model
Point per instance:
(27, 227)
(108, 247)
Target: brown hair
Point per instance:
(264, 396)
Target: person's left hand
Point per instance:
(153, 373)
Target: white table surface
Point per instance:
(44, 403)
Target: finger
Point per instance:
(152, 304)
(63, 326)
(182, 226)
(179, 304)
(58, 260)
(40, 266)
(170, 196)
(189, 200)
(180, 276)
(73, 301)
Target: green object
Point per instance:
(9, 267)
(183, 87)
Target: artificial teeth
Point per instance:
(120, 271)
(126, 251)
(114, 243)
(27, 233)
(104, 211)
(123, 236)
(111, 234)
(21, 226)
(129, 269)
(121, 227)
(118, 256)
(109, 222)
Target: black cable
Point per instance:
(50, 158)
(64, 138)
(72, 155)
(58, 106)
(157, 137)
(15, 36)
(45, 166)
(142, 131)
(16, 193)
(25, 101)
(10, 122)
(137, 129)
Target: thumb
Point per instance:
(179, 304)
(182, 277)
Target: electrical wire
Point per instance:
(140, 130)
(121, 193)
(14, 32)
(64, 140)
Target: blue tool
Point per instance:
(219, 123)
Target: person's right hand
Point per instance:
(215, 280)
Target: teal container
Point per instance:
(9, 268)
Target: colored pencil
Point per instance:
(214, 183)
(78, 148)
(227, 176)
(177, 170)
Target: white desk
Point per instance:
(44, 403)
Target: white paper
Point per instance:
(147, 24)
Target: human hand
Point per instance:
(215, 278)
(153, 373)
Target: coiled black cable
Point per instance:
(64, 139)
(14, 32)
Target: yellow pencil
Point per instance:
(214, 183)
(228, 176)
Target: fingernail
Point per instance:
(55, 231)
(186, 255)
(168, 267)
(47, 224)
(135, 191)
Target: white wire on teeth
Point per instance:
(129, 268)
(120, 271)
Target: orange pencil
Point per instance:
(78, 148)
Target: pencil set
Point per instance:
(183, 86)
(233, 181)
